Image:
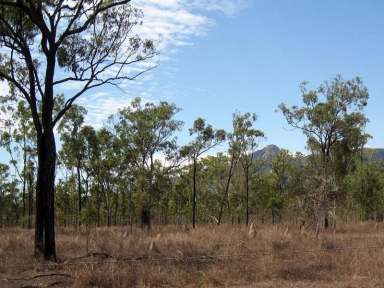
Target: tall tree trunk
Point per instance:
(194, 194)
(46, 153)
(45, 192)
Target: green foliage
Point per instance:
(331, 116)
(366, 185)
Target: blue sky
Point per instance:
(218, 57)
(249, 56)
(255, 60)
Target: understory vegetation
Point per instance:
(208, 256)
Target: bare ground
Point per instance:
(210, 256)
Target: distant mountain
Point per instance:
(267, 153)
(374, 154)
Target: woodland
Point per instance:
(61, 176)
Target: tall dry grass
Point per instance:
(210, 256)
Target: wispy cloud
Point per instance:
(171, 24)
(104, 105)
(176, 22)
(100, 108)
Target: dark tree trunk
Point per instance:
(326, 222)
(146, 218)
(45, 192)
(45, 185)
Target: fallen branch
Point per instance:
(40, 276)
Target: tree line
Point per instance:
(133, 172)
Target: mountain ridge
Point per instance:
(270, 151)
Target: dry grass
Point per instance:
(209, 256)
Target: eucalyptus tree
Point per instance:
(213, 179)
(45, 44)
(17, 136)
(281, 167)
(73, 147)
(88, 136)
(247, 140)
(281, 177)
(366, 187)
(181, 194)
(205, 138)
(146, 132)
(242, 143)
(105, 174)
(332, 119)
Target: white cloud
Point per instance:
(176, 22)
(171, 24)
(104, 105)
(101, 108)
